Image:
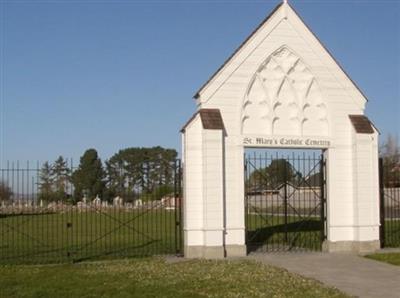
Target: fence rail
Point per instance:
(45, 223)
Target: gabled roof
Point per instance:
(254, 32)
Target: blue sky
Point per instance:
(115, 74)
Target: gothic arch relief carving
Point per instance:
(283, 98)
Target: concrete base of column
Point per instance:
(236, 250)
(359, 247)
(204, 252)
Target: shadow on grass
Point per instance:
(259, 237)
(140, 250)
(80, 254)
(6, 215)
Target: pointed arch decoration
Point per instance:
(283, 98)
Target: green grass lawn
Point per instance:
(391, 258)
(155, 277)
(75, 236)
(392, 233)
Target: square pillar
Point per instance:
(366, 191)
(353, 191)
(203, 172)
(235, 230)
(213, 193)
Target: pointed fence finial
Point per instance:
(285, 1)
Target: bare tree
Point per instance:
(390, 153)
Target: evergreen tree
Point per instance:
(140, 170)
(46, 189)
(88, 179)
(61, 177)
(116, 177)
(274, 175)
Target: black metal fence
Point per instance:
(45, 219)
(389, 174)
(285, 201)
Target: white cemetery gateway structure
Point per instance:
(280, 89)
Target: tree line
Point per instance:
(145, 173)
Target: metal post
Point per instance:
(322, 197)
(285, 197)
(381, 204)
(175, 201)
(245, 198)
(179, 206)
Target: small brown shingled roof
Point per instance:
(361, 124)
(210, 119)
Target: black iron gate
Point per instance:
(389, 186)
(285, 202)
(142, 219)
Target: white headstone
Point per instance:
(96, 201)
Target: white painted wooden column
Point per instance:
(366, 189)
(192, 163)
(213, 193)
(235, 229)
(353, 191)
(203, 172)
